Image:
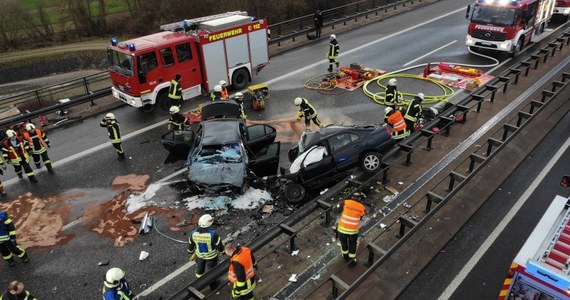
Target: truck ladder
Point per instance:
(557, 254)
(177, 26)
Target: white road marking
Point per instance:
(506, 220)
(429, 53)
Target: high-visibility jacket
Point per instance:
(398, 125)
(307, 109)
(37, 141)
(414, 110)
(215, 96)
(391, 97)
(178, 121)
(224, 94)
(7, 228)
(175, 90)
(27, 296)
(333, 49)
(113, 129)
(352, 212)
(241, 272)
(206, 243)
(15, 151)
(121, 292)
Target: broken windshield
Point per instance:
(216, 154)
(500, 16)
(120, 62)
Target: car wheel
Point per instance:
(240, 79)
(371, 162)
(517, 49)
(294, 192)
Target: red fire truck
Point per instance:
(541, 269)
(230, 46)
(506, 25)
(562, 8)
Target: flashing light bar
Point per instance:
(132, 47)
(500, 2)
(114, 41)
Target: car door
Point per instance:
(178, 144)
(257, 137)
(317, 173)
(266, 162)
(345, 149)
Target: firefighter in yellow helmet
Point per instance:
(15, 152)
(38, 143)
(116, 287)
(204, 246)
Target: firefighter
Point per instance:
(216, 94)
(15, 151)
(318, 19)
(239, 100)
(177, 121)
(17, 291)
(224, 93)
(332, 55)
(242, 271)
(348, 226)
(116, 287)
(110, 122)
(395, 119)
(204, 246)
(3, 166)
(38, 143)
(414, 111)
(392, 96)
(175, 91)
(307, 111)
(8, 243)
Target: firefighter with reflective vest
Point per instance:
(392, 96)
(17, 291)
(8, 243)
(394, 118)
(238, 97)
(349, 225)
(110, 122)
(242, 271)
(116, 287)
(224, 93)
(204, 246)
(332, 54)
(38, 143)
(216, 94)
(177, 121)
(308, 111)
(414, 112)
(15, 152)
(175, 91)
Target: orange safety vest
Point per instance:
(31, 143)
(399, 125)
(224, 94)
(352, 212)
(244, 258)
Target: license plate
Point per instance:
(486, 44)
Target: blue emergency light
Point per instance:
(132, 47)
(114, 41)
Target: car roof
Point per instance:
(220, 132)
(323, 133)
(226, 109)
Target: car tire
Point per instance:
(371, 162)
(294, 192)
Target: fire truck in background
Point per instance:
(506, 25)
(562, 9)
(231, 46)
(541, 269)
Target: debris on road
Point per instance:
(143, 255)
(293, 278)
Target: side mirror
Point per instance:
(565, 182)
(144, 68)
(468, 11)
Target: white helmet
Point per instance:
(223, 83)
(10, 133)
(421, 96)
(217, 88)
(298, 101)
(392, 82)
(110, 116)
(388, 110)
(333, 37)
(30, 127)
(205, 221)
(239, 95)
(113, 277)
(174, 109)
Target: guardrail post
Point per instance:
(544, 53)
(385, 167)
(536, 59)
(432, 197)
(557, 84)
(454, 176)
(505, 81)
(534, 104)
(493, 90)
(372, 250)
(508, 128)
(546, 94)
(327, 206)
(492, 142)
(517, 73)
(479, 99)
(291, 232)
(409, 149)
(522, 116)
(448, 122)
(474, 159)
(405, 222)
(429, 134)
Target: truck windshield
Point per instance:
(499, 16)
(120, 62)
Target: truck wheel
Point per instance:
(371, 162)
(163, 101)
(240, 79)
(294, 192)
(517, 49)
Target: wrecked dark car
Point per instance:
(224, 155)
(327, 156)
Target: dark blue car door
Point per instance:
(345, 149)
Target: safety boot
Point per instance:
(11, 262)
(25, 258)
(49, 168)
(39, 166)
(33, 179)
(121, 157)
(20, 175)
(352, 263)
(330, 69)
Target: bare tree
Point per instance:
(11, 24)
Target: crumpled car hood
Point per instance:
(221, 174)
